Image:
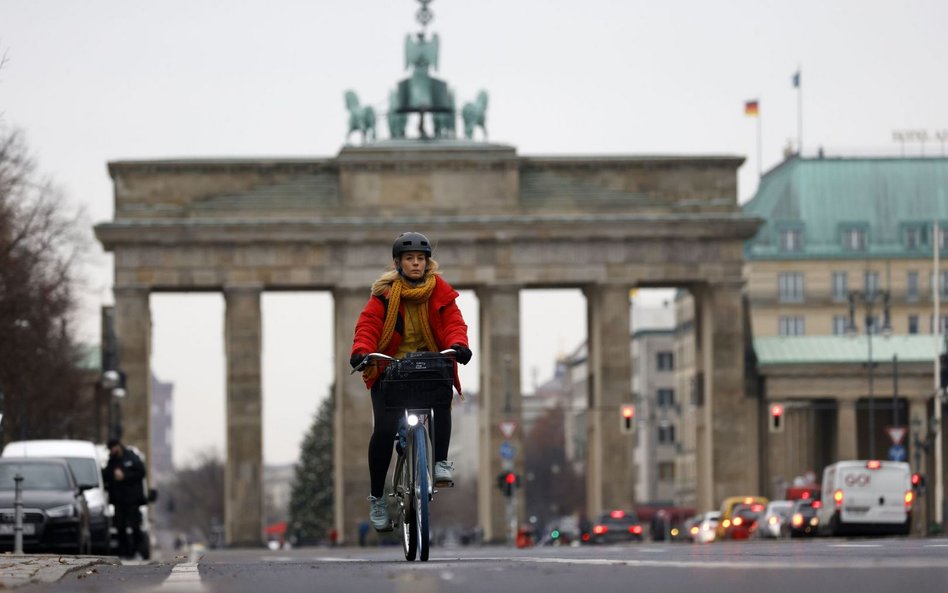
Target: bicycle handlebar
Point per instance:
(379, 356)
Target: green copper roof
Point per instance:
(825, 196)
(842, 349)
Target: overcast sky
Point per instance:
(95, 81)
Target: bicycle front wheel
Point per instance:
(422, 491)
(404, 490)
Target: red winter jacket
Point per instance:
(445, 318)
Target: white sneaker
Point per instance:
(442, 474)
(378, 514)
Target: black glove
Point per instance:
(464, 353)
(356, 359)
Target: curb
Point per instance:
(18, 571)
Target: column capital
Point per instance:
(486, 289)
(242, 288)
(130, 290)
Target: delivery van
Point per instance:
(870, 497)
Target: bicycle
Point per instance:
(416, 385)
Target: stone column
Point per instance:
(243, 475)
(133, 329)
(733, 416)
(499, 355)
(352, 421)
(846, 436)
(918, 458)
(609, 473)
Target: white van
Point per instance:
(866, 497)
(85, 460)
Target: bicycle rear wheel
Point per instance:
(421, 492)
(406, 507)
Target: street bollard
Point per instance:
(18, 515)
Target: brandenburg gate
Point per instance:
(501, 222)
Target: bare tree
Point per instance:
(40, 244)
(195, 499)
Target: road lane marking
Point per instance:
(936, 545)
(759, 564)
(653, 550)
(184, 578)
(854, 545)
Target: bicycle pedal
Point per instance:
(445, 484)
(388, 529)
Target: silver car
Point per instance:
(776, 520)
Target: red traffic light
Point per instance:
(776, 410)
(628, 411)
(510, 478)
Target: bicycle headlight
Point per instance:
(67, 510)
(412, 420)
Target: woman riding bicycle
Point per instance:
(412, 309)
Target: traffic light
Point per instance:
(507, 482)
(918, 483)
(776, 418)
(627, 418)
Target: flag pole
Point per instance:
(760, 162)
(799, 112)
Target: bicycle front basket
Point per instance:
(420, 380)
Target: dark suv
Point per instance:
(616, 526)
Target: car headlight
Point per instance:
(67, 510)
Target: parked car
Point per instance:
(55, 512)
(707, 528)
(727, 508)
(616, 526)
(743, 521)
(85, 460)
(776, 519)
(804, 519)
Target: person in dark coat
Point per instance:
(123, 479)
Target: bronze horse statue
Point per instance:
(475, 115)
(361, 118)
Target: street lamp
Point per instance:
(869, 300)
(111, 382)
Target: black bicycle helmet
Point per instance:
(411, 242)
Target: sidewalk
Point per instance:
(16, 571)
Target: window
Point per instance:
(944, 323)
(790, 287)
(791, 326)
(666, 471)
(791, 240)
(914, 238)
(913, 324)
(911, 286)
(666, 434)
(666, 398)
(665, 361)
(870, 283)
(840, 324)
(854, 239)
(840, 286)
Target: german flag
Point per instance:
(751, 108)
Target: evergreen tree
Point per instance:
(311, 498)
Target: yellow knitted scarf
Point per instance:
(413, 294)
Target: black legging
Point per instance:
(383, 438)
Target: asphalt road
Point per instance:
(831, 565)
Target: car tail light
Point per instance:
(838, 497)
(757, 508)
(909, 498)
(797, 520)
(873, 464)
(726, 523)
(748, 500)
(617, 514)
(805, 495)
(600, 529)
(737, 522)
(585, 537)
(636, 529)
(773, 520)
(694, 530)
(817, 504)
